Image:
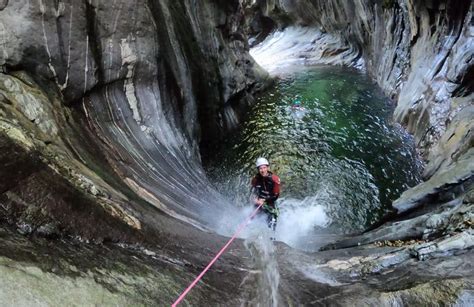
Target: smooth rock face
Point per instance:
(296, 46)
(84, 46)
(103, 106)
(154, 80)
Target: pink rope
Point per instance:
(239, 229)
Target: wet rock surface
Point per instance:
(380, 276)
(34, 269)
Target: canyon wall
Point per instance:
(106, 106)
(115, 98)
(419, 52)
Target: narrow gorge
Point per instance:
(113, 115)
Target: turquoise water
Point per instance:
(340, 148)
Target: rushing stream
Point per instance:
(339, 155)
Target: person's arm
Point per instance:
(253, 197)
(276, 188)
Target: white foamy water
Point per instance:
(299, 218)
(263, 254)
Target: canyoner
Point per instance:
(265, 191)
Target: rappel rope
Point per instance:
(239, 229)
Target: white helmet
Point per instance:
(262, 161)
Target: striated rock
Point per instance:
(437, 292)
(171, 76)
(29, 101)
(441, 220)
(446, 185)
(445, 247)
(457, 143)
(44, 179)
(82, 46)
(295, 46)
(94, 93)
(382, 276)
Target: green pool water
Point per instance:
(339, 148)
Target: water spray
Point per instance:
(237, 232)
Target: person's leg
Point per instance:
(275, 213)
(272, 216)
(271, 221)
